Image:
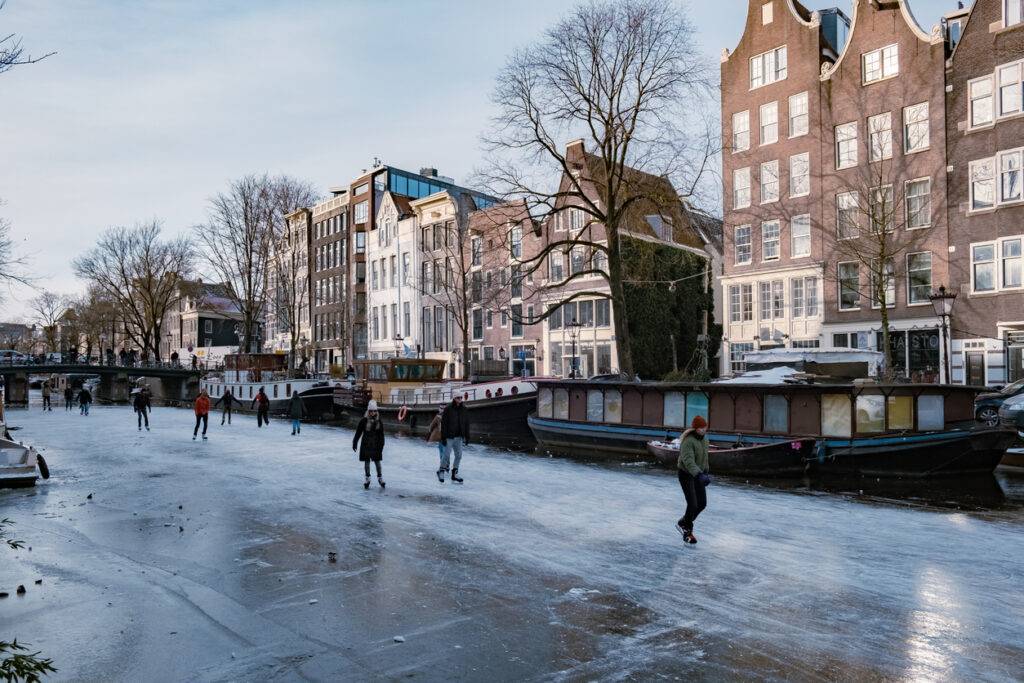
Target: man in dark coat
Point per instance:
(228, 399)
(297, 411)
(454, 435)
(69, 397)
(262, 405)
(141, 403)
(371, 429)
(84, 399)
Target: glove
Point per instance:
(703, 478)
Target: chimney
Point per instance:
(428, 172)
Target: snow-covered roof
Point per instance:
(777, 375)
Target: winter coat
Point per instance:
(202, 405)
(46, 390)
(372, 432)
(693, 453)
(84, 396)
(69, 394)
(228, 400)
(434, 432)
(296, 409)
(262, 400)
(454, 422)
(141, 401)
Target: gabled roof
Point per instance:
(484, 220)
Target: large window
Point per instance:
(798, 121)
(881, 63)
(765, 298)
(882, 208)
(769, 181)
(880, 136)
(1011, 262)
(747, 302)
(849, 286)
(734, 303)
(517, 242)
(919, 203)
(741, 131)
(517, 320)
(919, 278)
(743, 245)
(811, 296)
(741, 188)
(983, 184)
(887, 292)
(769, 122)
(477, 250)
(915, 128)
(361, 212)
(1010, 175)
(983, 266)
(980, 92)
(1013, 12)
(778, 299)
(846, 215)
(768, 67)
(736, 351)
(800, 229)
(555, 267)
(846, 145)
(770, 241)
(796, 296)
(478, 324)
(800, 175)
(603, 312)
(1009, 77)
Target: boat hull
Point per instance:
(782, 459)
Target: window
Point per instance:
(881, 63)
(980, 91)
(476, 287)
(587, 313)
(846, 215)
(919, 278)
(797, 296)
(800, 175)
(983, 184)
(361, 212)
(983, 257)
(577, 262)
(478, 324)
(778, 299)
(741, 131)
(602, 312)
(1011, 268)
(374, 282)
(767, 13)
(394, 271)
(208, 326)
(849, 286)
(1009, 176)
(743, 245)
(747, 302)
(846, 145)
(734, 304)
(1013, 12)
(406, 268)
(1009, 89)
(517, 320)
(919, 203)
(769, 181)
(478, 250)
(556, 272)
(765, 296)
(770, 241)
(798, 121)
(880, 136)
(769, 123)
(915, 128)
(881, 209)
(768, 67)
(800, 229)
(878, 293)
(406, 319)
(517, 242)
(741, 188)
(811, 296)
(554, 317)
(736, 351)
(360, 189)
(360, 242)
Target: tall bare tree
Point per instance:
(290, 257)
(48, 308)
(622, 75)
(13, 266)
(12, 51)
(141, 273)
(96, 316)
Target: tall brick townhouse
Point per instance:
(985, 139)
(835, 132)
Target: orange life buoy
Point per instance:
(403, 412)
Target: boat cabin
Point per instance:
(253, 367)
(386, 376)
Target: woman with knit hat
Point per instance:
(693, 475)
(371, 430)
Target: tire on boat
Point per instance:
(43, 468)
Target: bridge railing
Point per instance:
(41, 365)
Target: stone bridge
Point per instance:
(173, 382)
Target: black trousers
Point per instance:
(46, 403)
(205, 419)
(696, 499)
(143, 415)
(262, 417)
(366, 467)
(68, 403)
(226, 415)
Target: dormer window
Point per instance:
(880, 64)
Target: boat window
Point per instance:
(675, 409)
(287, 389)
(931, 413)
(595, 405)
(776, 414)
(835, 415)
(870, 414)
(613, 406)
(901, 412)
(250, 392)
(696, 404)
(544, 405)
(275, 391)
(561, 410)
(403, 371)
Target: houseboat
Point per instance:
(18, 462)
(244, 374)
(409, 392)
(786, 428)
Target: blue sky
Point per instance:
(151, 106)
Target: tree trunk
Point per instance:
(622, 336)
(886, 347)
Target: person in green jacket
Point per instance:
(693, 475)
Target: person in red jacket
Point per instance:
(202, 408)
(262, 403)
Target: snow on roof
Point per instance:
(777, 375)
(813, 356)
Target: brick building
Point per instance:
(328, 262)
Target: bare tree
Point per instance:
(12, 265)
(96, 315)
(621, 75)
(141, 274)
(49, 307)
(12, 52)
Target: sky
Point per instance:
(150, 107)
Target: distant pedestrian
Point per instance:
(434, 432)
(262, 405)
(228, 399)
(371, 430)
(297, 410)
(123, 356)
(195, 362)
(350, 373)
(174, 358)
(142, 406)
(202, 410)
(454, 435)
(84, 399)
(69, 397)
(46, 396)
(693, 475)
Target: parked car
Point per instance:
(1011, 413)
(986, 406)
(12, 357)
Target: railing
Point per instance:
(44, 363)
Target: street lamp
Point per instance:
(398, 344)
(574, 333)
(942, 302)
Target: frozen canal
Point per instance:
(209, 561)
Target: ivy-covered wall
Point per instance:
(657, 312)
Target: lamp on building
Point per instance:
(942, 302)
(574, 333)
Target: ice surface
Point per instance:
(536, 568)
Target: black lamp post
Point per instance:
(574, 333)
(942, 302)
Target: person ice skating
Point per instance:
(434, 432)
(228, 399)
(69, 398)
(84, 399)
(693, 475)
(202, 409)
(297, 410)
(371, 429)
(454, 435)
(142, 406)
(262, 404)
(46, 396)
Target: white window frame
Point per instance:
(771, 67)
(735, 306)
(747, 302)
(804, 220)
(1003, 258)
(772, 107)
(908, 198)
(738, 144)
(999, 261)
(773, 228)
(802, 118)
(1001, 158)
(913, 121)
(971, 183)
(972, 99)
(749, 243)
(890, 287)
(812, 304)
(796, 284)
(805, 159)
(769, 178)
(931, 279)
(890, 213)
(888, 63)
(839, 285)
(994, 261)
(842, 135)
(740, 201)
(1006, 12)
(855, 207)
(880, 136)
(1013, 85)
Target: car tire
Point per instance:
(990, 416)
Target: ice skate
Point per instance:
(455, 477)
(380, 480)
(204, 437)
(366, 483)
(440, 475)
